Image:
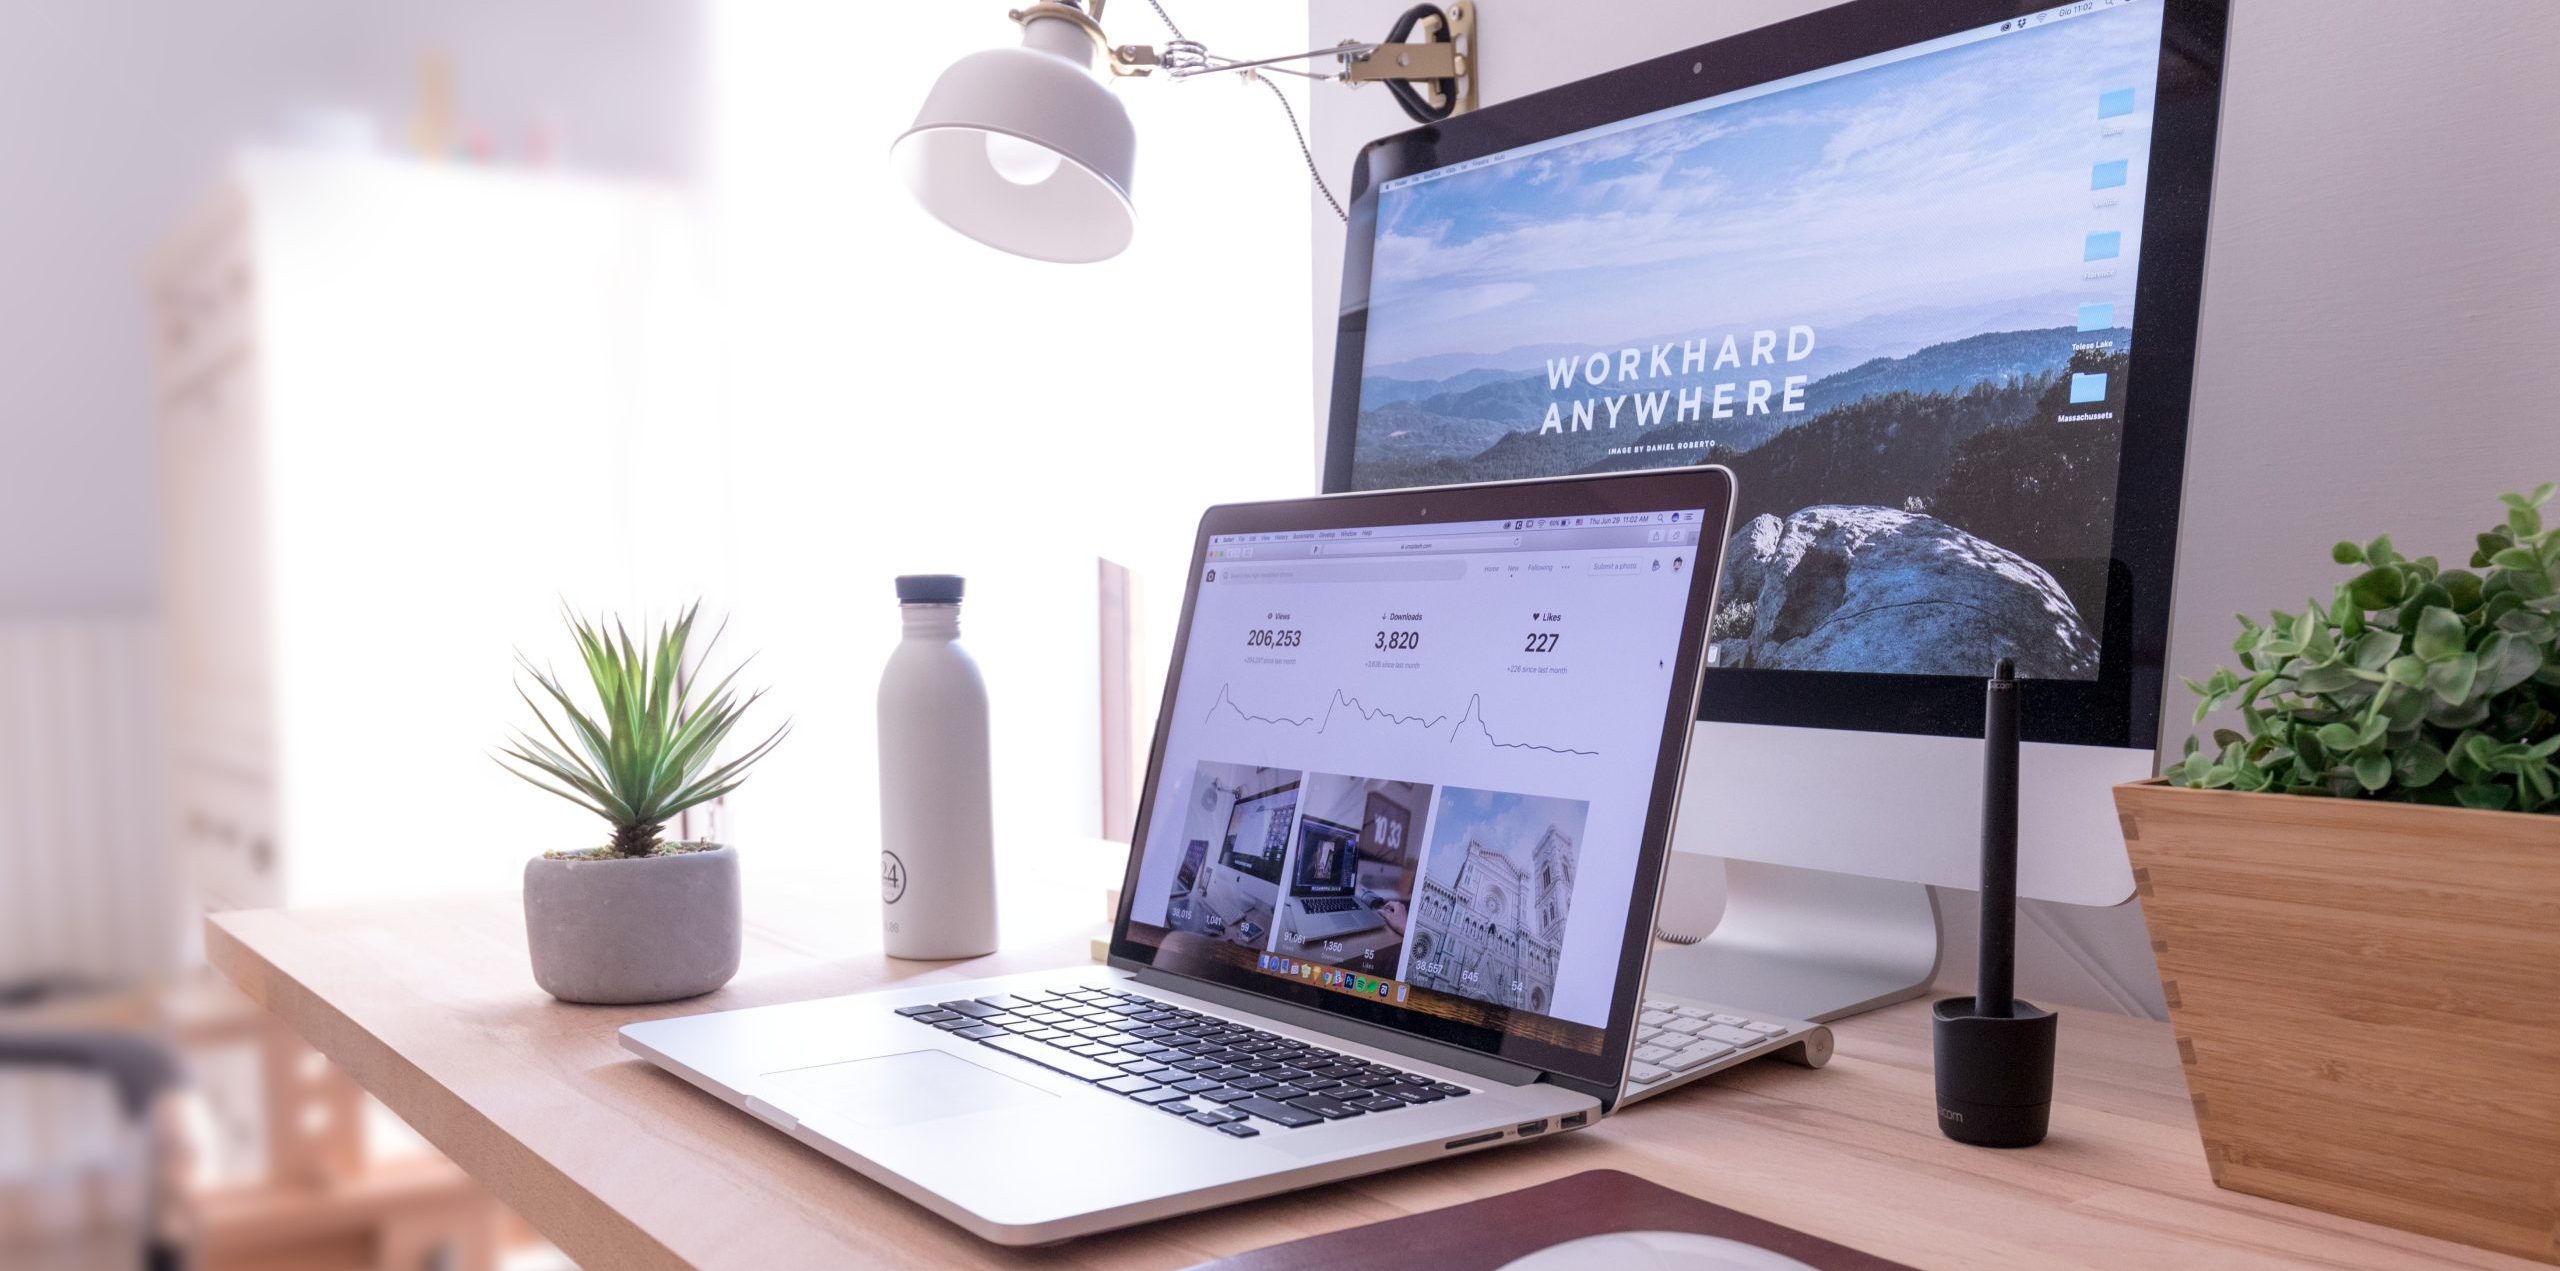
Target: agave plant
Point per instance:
(646, 753)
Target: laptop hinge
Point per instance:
(1466, 1061)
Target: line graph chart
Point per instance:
(1343, 707)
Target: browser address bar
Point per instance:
(1411, 546)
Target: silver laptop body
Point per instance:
(1491, 992)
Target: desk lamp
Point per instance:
(1026, 150)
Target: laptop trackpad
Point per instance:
(922, 1085)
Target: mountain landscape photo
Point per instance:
(1898, 304)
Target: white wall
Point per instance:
(2381, 296)
(905, 400)
(113, 116)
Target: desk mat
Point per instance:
(1483, 1235)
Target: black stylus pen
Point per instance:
(1993, 990)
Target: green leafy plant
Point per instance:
(646, 753)
(2414, 683)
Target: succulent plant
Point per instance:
(2415, 682)
(646, 753)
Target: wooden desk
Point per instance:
(431, 1007)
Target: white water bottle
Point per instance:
(937, 831)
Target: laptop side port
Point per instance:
(1574, 1121)
(1470, 1141)
(1528, 1128)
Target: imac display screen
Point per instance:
(1895, 296)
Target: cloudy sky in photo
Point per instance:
(1510, 824)
(1941, 190)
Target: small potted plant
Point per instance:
(638, 919)
(2355, 895)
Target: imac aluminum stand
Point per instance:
(1804, 943)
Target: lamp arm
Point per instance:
(1177, 66)
(1444, 62)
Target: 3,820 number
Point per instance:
(1398, 640)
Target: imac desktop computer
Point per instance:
(1925, 277)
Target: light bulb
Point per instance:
(1021, 162)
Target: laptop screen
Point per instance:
(1430, 751)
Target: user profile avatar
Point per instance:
(1675, 564)
(1212, 577)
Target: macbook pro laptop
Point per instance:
(1390, 897)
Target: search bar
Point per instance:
(1419, 569)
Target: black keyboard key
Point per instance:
(1253, 1083)
(1412, 1094)
(1195, 1064)
(1226, 1074)
(912, 1011)
(956, 1023)
(1052, 1058)
(1238, 1129)
(1004, 1002)
(1285, 1093)
(1127, 1085)
(1197, 1085)
(1228, 1095)
(1285, 1074)
(1257, 1065)
(975, 1010)
(1329, 1109)
(1316, 1083)
(1179, 1107)
(1380, 1104)
(933, 1015)
(1370, 1083)
(1277, 1113)
(1447, 1091)
(1156, 1094)
(978, 1034)
(1210, 1118)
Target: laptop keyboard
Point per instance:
(1329, 905)
(1209, 1071)
(1673, 1039)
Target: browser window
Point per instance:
(1413, 764)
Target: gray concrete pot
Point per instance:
(649, 929)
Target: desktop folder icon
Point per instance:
(2097, 316)
(2103, 246)
(2115, 102)
(2110, 174)
(2087, 388)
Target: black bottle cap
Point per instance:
(1995, 1074)
(930, 589)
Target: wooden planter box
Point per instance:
(2367, 1000)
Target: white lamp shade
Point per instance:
(1023, 149)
